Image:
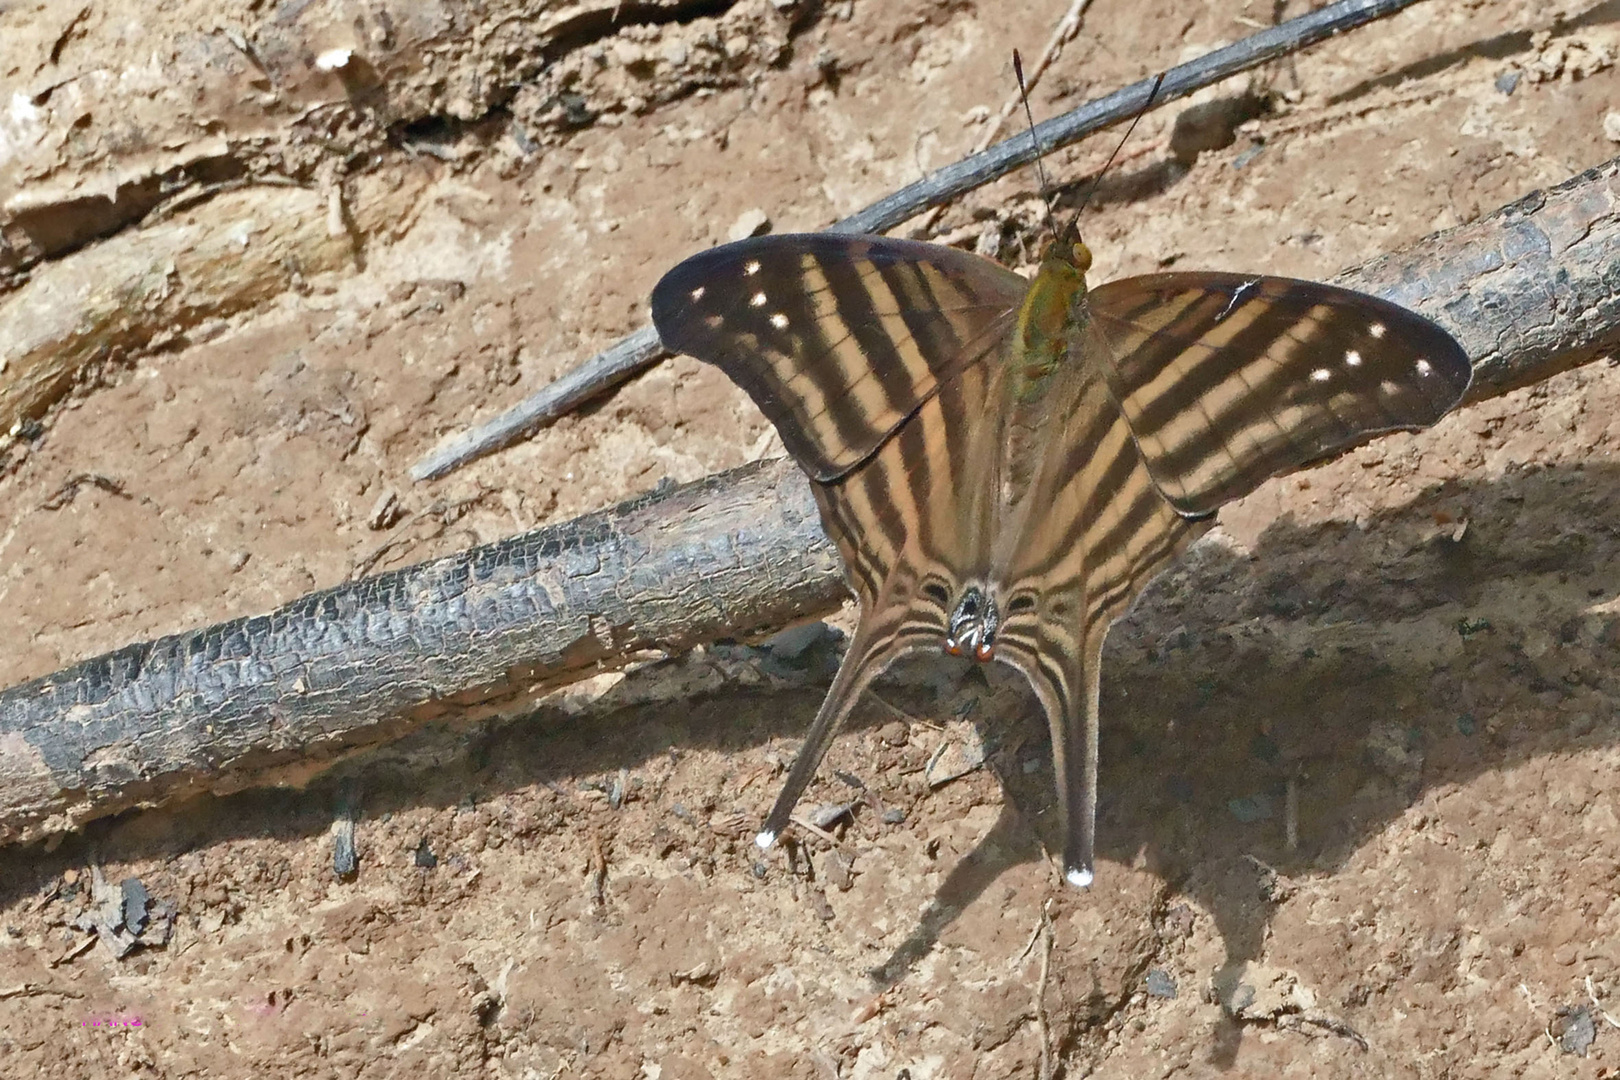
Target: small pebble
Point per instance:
(749, 223)
(1160, 984)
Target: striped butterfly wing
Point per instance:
(864, 352)
(838, 339)
(1227, 380)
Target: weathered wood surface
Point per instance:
(1530, 291)
(155, 285)
(221, 706)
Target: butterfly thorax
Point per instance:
(1050, 319)
(1043, 371)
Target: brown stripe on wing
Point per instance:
(870, 376)
(1250, 377)
(838, 339)
(910, 503)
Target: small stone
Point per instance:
(1574, 1030)
(1250, 991)
(135, 901)
(835, 870)
(385, 512)
(825, 817)
(1507, 82)
(962, 753)
(1160, 984)
(1611, 126)
(749, 223)
(795, 641)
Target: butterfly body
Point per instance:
(1003, 463)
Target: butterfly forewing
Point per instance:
(837, 339)
(1228, 380)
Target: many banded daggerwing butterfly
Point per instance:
(1004, 463)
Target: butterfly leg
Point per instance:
(866, 658)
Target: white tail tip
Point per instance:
(1080, 879)
(765, 839)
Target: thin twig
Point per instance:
(1041, 1026)
(1301, 1021)
(1062, 34)
(598, 871)
(641, 349)
(816, 830)
(1597, 1006)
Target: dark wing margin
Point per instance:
(1227, 380)
(838, 339)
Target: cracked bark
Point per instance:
(1532, 290)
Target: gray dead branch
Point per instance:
(1530, 291)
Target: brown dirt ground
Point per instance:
(1409, 652)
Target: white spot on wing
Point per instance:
(779, 321)
(1321, 374)
(1353, 358)
(697, 293)
(1388, 387)
(1078, 877)
(1424, 367)
(765, 839)
(751, 267)
(1376, 329)
(757, 300)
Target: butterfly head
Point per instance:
(1068, 251)
(973, 625)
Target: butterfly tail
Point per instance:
(866, 658)
(1066, 679)
(1078, 788)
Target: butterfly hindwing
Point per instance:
(838, 339)
(1227, 380)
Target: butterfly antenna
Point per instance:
(1095, 184)
(1040, 169)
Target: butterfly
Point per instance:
(1004, 463)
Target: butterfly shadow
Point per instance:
(1269, 713)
